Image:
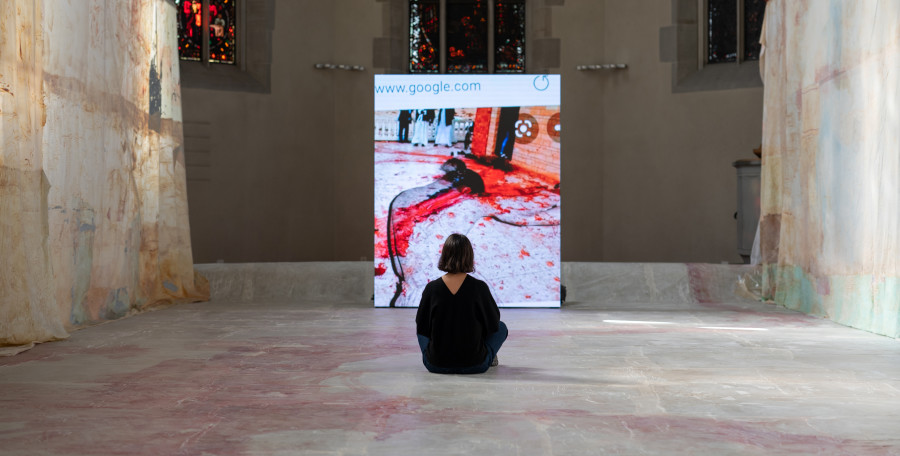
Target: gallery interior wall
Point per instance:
(94, 223)
(831, 160)
(93, 206)
(646, 171)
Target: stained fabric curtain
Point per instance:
(28, 310)
(830, 223)
(93, 202)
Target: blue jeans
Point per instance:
(492, 343)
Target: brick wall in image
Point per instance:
(480, 132)
(541, 154)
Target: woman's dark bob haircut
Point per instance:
(457, 255)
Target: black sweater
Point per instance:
(457, 324)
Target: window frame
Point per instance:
(491, 39)
(684, 44)
(238, 37)
(703, 38)
(244, 75)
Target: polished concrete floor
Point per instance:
(270, 378)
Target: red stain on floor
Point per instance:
(61, 350)
(405, 218)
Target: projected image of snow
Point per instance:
(491, 173)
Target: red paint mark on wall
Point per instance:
(823, 286)
(698, 280)
(380, 269)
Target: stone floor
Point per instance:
(270, 378)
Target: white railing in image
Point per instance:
(459, 129)
(389, 130)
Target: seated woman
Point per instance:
(458, 323)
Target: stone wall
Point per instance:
(287, 173)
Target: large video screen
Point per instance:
(472, 154)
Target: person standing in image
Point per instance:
(420, 128)
(404, 120)
(444, 135)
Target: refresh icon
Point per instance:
(541, 82)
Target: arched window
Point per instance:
(466, 36)
(214, 19)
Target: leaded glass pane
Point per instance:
(753, 19)
(509, 36)
(424, 29)
(722, 31)
(467, 36)
(190, 28)
(222, 20)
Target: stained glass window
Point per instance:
(466, 36)
(424, 32)
(190, 29)
(465, 44)
(753, 19)
(222, 29)
(722, 31)
(509, 36)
